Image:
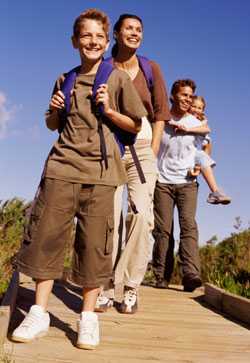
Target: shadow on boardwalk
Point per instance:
(200, 300)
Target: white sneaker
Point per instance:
(88, 330)
(35, 324)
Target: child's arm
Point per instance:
(203, 129)
(123, 121)
(200, 130)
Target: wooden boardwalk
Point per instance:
(170, 326)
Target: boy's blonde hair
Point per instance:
(93, 14)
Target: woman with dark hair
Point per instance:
(132, 265)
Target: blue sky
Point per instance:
(205, 40)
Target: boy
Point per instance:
(77, 184)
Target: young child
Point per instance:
(203, 162)
(77, 183)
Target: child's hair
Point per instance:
(117, 28)
(181, 83)
(200, 98)
(93, 14)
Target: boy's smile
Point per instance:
(92, 41)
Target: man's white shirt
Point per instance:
(177, 152)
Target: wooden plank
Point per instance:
(4, 322)
(213, 296)
(237, 307)
(170, 326)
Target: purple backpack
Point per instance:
(123, 138)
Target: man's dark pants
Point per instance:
(184, 197)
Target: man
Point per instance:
(176, 157)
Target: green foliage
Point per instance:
(12, 222)
(12, 219)
(227, 264)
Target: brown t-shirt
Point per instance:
(76, 155)
(156, 103)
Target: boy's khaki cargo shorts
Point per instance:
(50, 229)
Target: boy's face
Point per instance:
(197, 108)
(92, 41)
(183, 99)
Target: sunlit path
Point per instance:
(171, 326)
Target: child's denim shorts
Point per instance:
(203, 159)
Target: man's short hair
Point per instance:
(182, 83)
(93, 14)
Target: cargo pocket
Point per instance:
(33, 220)
(109, 236)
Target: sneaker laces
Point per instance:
(87, 327)
(30, 320)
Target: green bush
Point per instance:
(227, 264)
(12, 222)
(12, 219)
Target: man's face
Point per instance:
(183, 99)
(92, 41)
(130, 34)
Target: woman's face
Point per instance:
(130, 34)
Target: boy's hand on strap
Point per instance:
(102, 97)
(57, 101)
(123, 121)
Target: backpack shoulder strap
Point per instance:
(104, 71)
(124, 137)
(68, 84)
(147, 71)
(146, 68)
